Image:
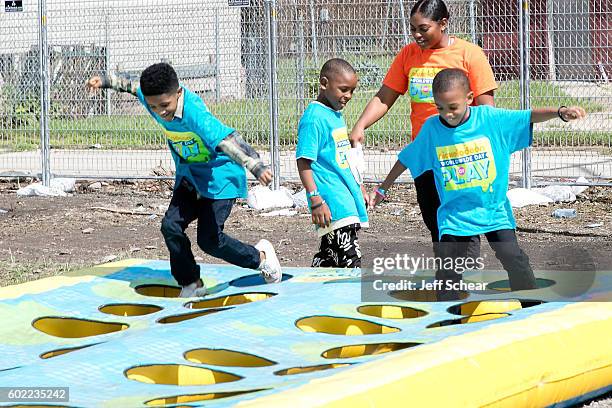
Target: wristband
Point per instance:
(559, 113)
(314, 193)
(314, 207)
(381, 192)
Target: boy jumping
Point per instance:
(209, 158)
(469, 148)
(336, 200)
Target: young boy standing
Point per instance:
(469, 148)
(209, 158)
(336, 200)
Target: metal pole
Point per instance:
(217, 58)
(550, 23)
(473, 21)
(273, 92)
(524, 82)
(313, 26)
(403, 17)
(107, 62)
(300, 67)
(44, 91)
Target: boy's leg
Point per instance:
(450, 247)
(181, 212)
(340, 249)
(211, 238)
(429, 202)
(512, 258)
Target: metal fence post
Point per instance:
(273, 92)
(44, 91)
(301, 83)
(473, 21)
(524, 83)
(403, 18)
(315, 51)
(217, 58)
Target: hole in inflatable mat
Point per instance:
(424, 295)
(342, 326)
(309, 369)
(59, 352)
(189, 316)
(504, 285)
(178, 374)
(129, 309)
(230, 300)
(68, 327)
(469, 319)
(165, 291)
(359, 350)
(226, 358)
(254, 280)
(391, 312)
(180, 399)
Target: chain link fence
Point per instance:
(256, 67)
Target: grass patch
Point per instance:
(251, 117)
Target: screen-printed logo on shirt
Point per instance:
(188, 146)
(343, 146)
(419, 84)
(468, 164)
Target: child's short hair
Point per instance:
(158, 79)
(335, 66)
(450, 78)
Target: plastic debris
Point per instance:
(283, 212)
(58, 187)
(521, 197)
(262, 198)
(564, 213)
(299, 199)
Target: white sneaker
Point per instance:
(270, 268)
(192, 290)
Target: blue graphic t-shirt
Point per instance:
(323, 138)
(193, 140)
(471, 165)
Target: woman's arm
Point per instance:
(378, 107)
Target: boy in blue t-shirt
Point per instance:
(336, 200)
(469, 148)
(209, 159)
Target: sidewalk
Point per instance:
(96, 163)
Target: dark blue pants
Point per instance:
(429, 202)
(185, 207)
(506, 249)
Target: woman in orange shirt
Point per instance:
(412, 71)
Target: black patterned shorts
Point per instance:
(339, 248)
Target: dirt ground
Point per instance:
(102, 221)
(107, 221)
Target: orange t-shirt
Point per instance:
(414, 69)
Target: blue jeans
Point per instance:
(185, 207)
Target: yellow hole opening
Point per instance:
(129, 309)
(470, 319)
(179, 399)
(391, 312)
(420, 295)
(359, 350)
(166, 291)
(226, 358)
(342, 325)
(59, 352)
(309, 369)
(489, 306)
(187, 316)
(69, 327)
(230, 300)
(178, 374)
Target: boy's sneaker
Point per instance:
(195, 289)
(270, 268)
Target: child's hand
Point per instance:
(321, 215)
(265, 177)
(366, 196)
(572, 113)
(375, 198)
(94, 82)
(357, 136)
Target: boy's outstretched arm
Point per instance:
(566, 114)
(321, 215)
(242, 153)
(380, 192)
(118, 82)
